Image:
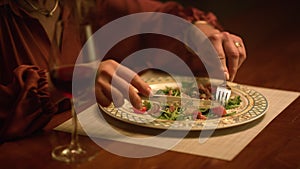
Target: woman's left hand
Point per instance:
(116, 82)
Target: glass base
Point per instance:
(72, 154)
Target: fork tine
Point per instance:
(218, 93)
(222, 94)
(228, 93)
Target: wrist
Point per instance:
(206, 27)
(200, 22)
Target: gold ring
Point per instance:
(237, 44)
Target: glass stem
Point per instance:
(74, 144)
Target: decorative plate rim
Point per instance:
(257, 106)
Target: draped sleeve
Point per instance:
(114, 9)
(25, 105)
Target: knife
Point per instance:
(187, 101)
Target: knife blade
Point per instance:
(183, 100)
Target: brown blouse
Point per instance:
(25, 102)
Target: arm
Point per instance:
(114, 9)
(231, 56)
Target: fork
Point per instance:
(223, 93)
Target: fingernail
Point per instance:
(150, 91)
(226, 75)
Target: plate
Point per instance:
(253, 106)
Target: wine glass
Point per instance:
(61, 66)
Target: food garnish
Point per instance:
(175, 111)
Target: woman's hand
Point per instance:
(116, 82)
(230, 48)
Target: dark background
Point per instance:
(270, 30)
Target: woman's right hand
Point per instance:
(116, 82)
(229, 47)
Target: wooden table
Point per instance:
(271, 34)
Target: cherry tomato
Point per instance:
(200, 115)
(219, 111)
(172, 108)
(140, 111)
